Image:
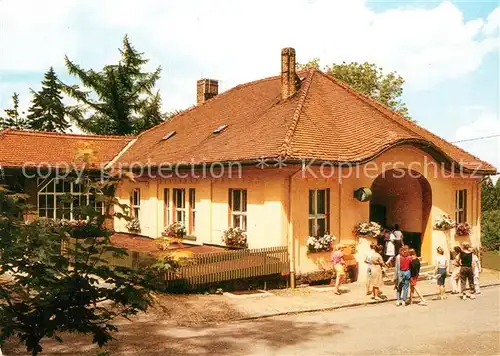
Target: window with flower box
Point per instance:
(238, 208)
(461, 206)
(319, 215)
(178, 209)
(62, 198)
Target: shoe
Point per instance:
(378, 299)
(424, 304)
(472, 296)
(464, 297)
(397, 303)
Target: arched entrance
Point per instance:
(403, 197)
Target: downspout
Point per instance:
(291, 244)
(211, 203)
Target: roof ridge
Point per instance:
(63, 135)
(395, 116)
(285, 149)
(218, 96)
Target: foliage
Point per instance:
(47, 293)
(444, 223)
(369, 79)
(13, 119)
(234, 237)
(367, 229)
(490, 195)
(463, 229)
(171, 255)
(176, 229)
(47, 111)
(320, 243)
(118, 100)
(490, 230)
(70, 228)
(134, 226)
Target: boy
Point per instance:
(414, 273)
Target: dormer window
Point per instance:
(219, 129)
(169, 135)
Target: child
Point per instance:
(414, 273)
(477, 269)
(338, 265)
(441, 271)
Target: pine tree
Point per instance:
(120, 99)
(47, 111)
(13, 118)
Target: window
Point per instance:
(192, 210)
(461, 206)
(180, 206)
(238, 208)
(319, 219)
(62, 198)
(135, 204)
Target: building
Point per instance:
(284, 158)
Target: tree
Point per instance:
(44, 292)
(120, 99)
(47, 111)
(490, 230)
(369, 79)
(490, 195)
(13, 119)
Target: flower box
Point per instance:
(235, 237)
(444, 223)
(175, 230)
(367, 229)
(320, 243)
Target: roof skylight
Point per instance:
(220, 129)
(169, 135)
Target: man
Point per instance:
(368, 261)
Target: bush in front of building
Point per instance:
(490, 230)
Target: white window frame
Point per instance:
(192, 211)
(135, 204)
(242, 213)
(461, 210)
(314, 216)
(54, 195)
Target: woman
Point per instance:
(376, 272)
(404, 276)
(466, 271)
(441, 272)
(390, 249)
(455, 272)
(338, 265)
(414, 274)
(368, 261)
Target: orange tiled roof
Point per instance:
(326, 120)
(28, 148)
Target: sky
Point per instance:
(448, 52)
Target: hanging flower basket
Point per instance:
(235, 237)
(444, 223)
(320, 243)
(367, 229)
(463, 229)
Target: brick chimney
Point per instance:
(288, 75)
(206, 89)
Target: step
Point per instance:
(424, 270)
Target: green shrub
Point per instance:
(490, 230)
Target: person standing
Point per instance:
(441, 271)
(390, 249)
(414, 274)
(455, 270)
(368, 261)
(477, 269)
(404, 276)
(466, 271)
(338, 265)
(376, 272)
(398, 238)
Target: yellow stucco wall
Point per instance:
(269, 207)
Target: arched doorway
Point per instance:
(403, 197)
